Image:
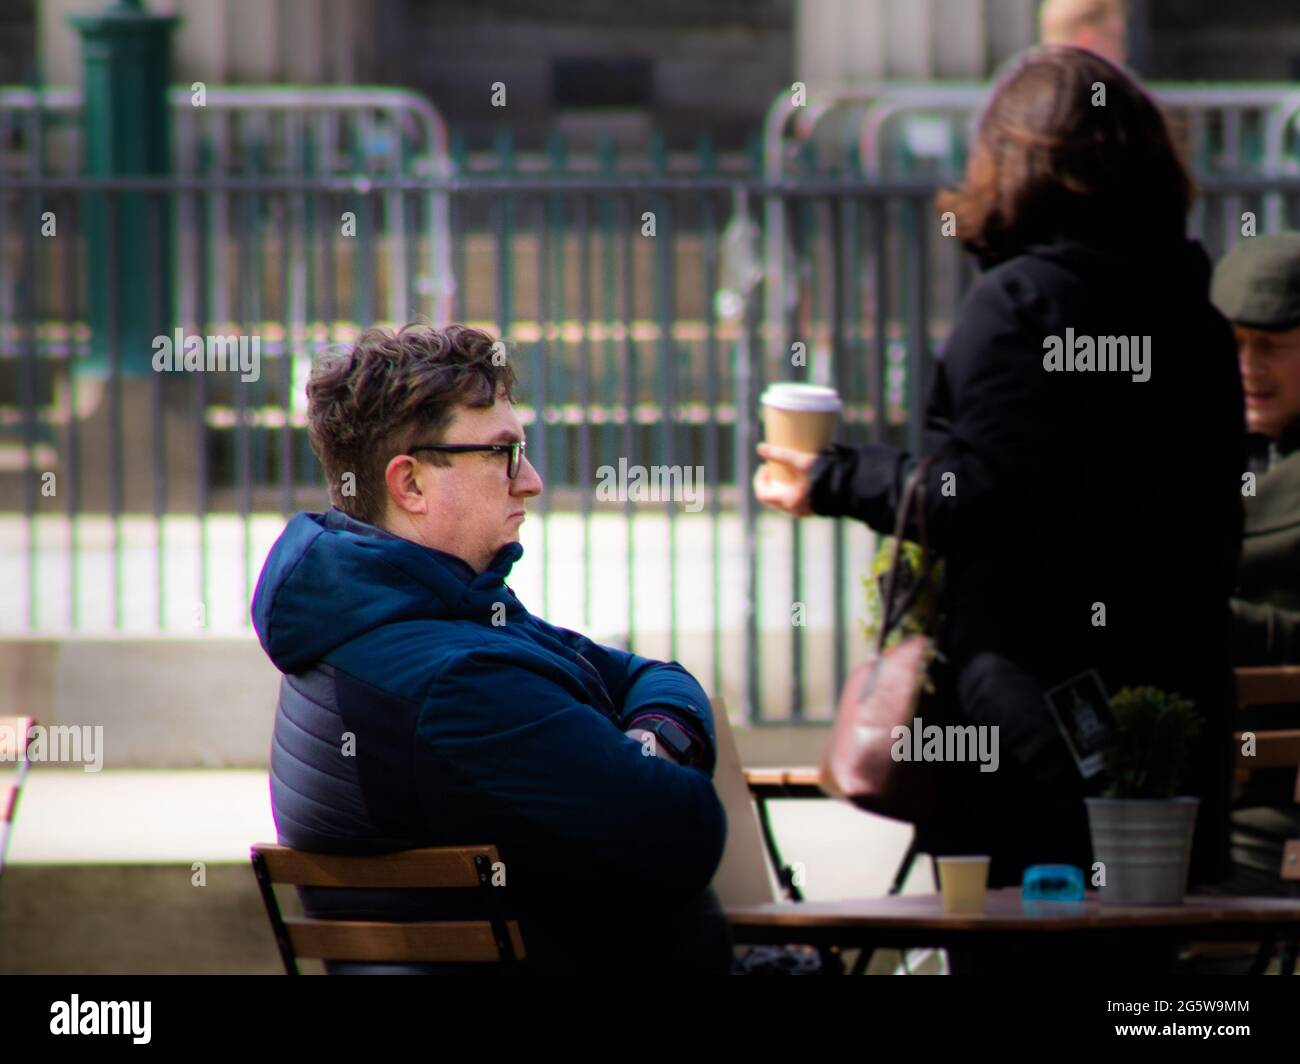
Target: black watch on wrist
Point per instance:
(675, 739)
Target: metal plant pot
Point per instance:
(1145, 845)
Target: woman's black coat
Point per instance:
(1074, 497)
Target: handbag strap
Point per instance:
(913, 498)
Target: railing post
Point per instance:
(741, 273)
(126, 64)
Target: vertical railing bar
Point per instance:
(542, 432)
(156, 204)
(330, 215)
(665, 245)
(457, 210)
(803, 236)
(625, 217)
(75, 353)
(29, 222)
(211, 303)
(582, 225)
(917, 322)
(250, 326)
(712, 457)
(841, 273)
(555, 265)
(115, 405)
(745, 441)
(878, 360)
(395, 228)
(293, 299)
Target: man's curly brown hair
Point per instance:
(394, 390)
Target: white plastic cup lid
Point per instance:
(815, 398)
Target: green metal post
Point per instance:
(126, 64)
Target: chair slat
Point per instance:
(1268, 685)
(416, 942)
(1273, 749)
(450, 866)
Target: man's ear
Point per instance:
(403, 485)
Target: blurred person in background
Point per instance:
(1091, 520)
(1257, 288)
(1098, 25)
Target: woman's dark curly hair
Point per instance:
(1069, 145)
(390, 392)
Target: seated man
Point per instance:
(1257, 288)
(423, 705)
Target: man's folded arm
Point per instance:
(510, 752)
(643, 689)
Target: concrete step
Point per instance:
(137, 872)
(134, 918)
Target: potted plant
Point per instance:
(1141, 831)
(913, 620)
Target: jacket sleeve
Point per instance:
(641, 685)
(992, 379)
(1264, 634)
(501, 748)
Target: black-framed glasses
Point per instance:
(514, 450)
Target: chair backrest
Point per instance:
(14, 732)
(493, 939)
(745, 875)
(1274, 748)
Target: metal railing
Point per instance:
(898, 131)
(356, 132)
(165, 489)
(632, 295)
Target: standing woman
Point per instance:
(1092, 520)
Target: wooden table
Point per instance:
(1007, 923)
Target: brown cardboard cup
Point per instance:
(801, 417)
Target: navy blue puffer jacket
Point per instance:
(472, 721)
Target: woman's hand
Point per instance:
(792, 496)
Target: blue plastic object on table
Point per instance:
(1052, 883)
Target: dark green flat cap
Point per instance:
(1257, 284)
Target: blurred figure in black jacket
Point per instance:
(1092, 516)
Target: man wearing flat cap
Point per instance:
(1257, 288)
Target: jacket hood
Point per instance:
(329, 579)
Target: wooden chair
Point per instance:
(13, 747)
(743, 878)
(765, 784)
(491, 940)
(752, 867)
(1274, 748)
(747, 874)
(802, 782)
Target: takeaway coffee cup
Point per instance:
(964, 882)
(799, 416)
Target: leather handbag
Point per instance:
(884, 693)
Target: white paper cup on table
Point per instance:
(799, 416)
(964, 882)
